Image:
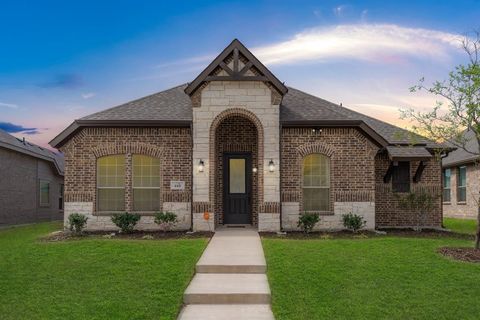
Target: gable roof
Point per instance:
(173, 107)
(234, 50)
(12, 143)
(460, 156)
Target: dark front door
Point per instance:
(237, 186)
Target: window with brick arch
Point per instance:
(316, 183)
(146, 183)
(111, 183)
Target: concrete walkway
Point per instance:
(230, 280)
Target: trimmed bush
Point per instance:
(353, 222)
(126, 221)
(166, 220)
(307, 221)
(77, 222)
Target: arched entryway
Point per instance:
(237, 174)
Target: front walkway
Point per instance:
(230, 280)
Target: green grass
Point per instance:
(468, 226)
(377, 278)
(92, 278)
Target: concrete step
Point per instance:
(226, 312)
(233, 251)
(228, 288)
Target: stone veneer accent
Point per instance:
(468, 209)
(96, 222)
(251, 100)
(291, 213)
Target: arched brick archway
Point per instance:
(235, 130)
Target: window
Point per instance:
(462, 184)
(60, 196)
(111, 183)
(446, 185)
(316, 183)
(146, 183)
(401, 177)
(44, 193)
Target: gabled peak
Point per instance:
(236, 63)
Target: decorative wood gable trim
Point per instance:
(236, 63)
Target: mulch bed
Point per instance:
(409, 233)
(135, 235)
(462, 254)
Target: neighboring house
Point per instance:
(31, 182)
(461, 180)
(238, 144)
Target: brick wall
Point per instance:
(235, 134)
(352, 173)
(172, 145)
(389, 213)
(469, 209)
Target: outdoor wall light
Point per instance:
(254, 170)
(271, 166)
(201, 166)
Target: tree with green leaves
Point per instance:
(458, 109)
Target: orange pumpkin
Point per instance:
(206, 215)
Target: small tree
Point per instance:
(353, 222)
(307, 221)
(166, 220)
(126, 221)
(462, 111)
(420, 202)
(77, 222)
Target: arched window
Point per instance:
(111, 183)
(316, 182)
(146, 183)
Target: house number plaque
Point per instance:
(177, 185)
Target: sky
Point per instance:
(62, 60)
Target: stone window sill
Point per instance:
(462, 203)
(322, 213)
(109, 213)
(447, 203)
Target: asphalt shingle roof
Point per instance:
(10, 142)
(460, 155)
(297, 106)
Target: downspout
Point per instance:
(191, 176)
(280, 172)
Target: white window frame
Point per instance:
(328, 185)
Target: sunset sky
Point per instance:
(61, 60)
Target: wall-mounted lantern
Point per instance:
(254, 170)
(201, 166)
(271, 166)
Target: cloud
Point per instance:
(88, 95)
(364, 15)
(15, 128)
(66, 81)
(385, 43)
(8, 105)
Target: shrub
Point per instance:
(307, 221)
(77, 222)
(353, 222)
(166, 220)
(125, 221)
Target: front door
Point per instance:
(237, 186)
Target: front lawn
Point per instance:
(92, 278)
(377, 278)
(468, 226)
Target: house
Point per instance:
(237, 146)
(461, 180)
(31, 182)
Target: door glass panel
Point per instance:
(237, 175)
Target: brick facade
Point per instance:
(388, 211)
(172, 145)
(469, 208)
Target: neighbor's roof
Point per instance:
(460, 156)
(173, 107)
(10, 142)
